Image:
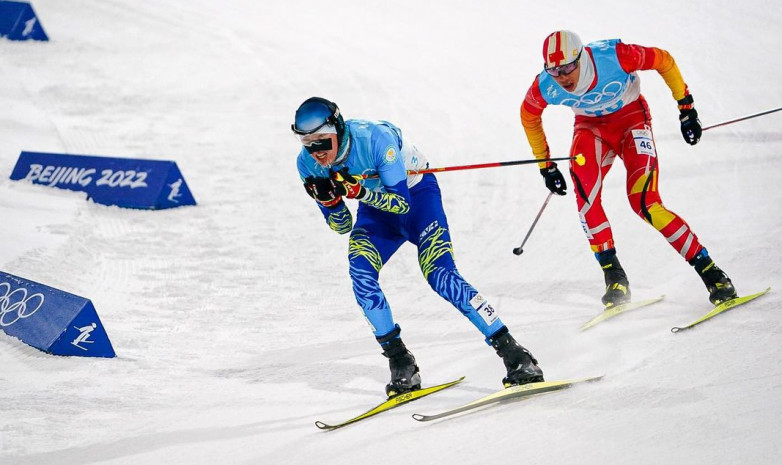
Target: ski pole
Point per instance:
(579, 160)
(520, 249)
(755, 115)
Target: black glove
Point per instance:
(322, 189)
(348, 185)
(554, 179)
(688, 117)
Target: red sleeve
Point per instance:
(636, 57)
(534, 103)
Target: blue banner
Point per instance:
(19, 22)
(124, 182)
(51, 320)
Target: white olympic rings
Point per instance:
(16, 304)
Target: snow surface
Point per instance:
(234, 321)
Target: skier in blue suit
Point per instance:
(369, 161)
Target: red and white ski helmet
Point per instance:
(561, 48)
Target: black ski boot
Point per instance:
(717, 282)
(521, 365)
(404, 371)
(617, 286)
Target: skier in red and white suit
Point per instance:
(599, 82)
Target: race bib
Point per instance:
(644, 144)
(486, 311)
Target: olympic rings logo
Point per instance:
(16, 304)
(610, 91)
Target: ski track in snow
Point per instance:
(234, 321)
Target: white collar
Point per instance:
(586, 73)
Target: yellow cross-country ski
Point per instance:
(393, 401)
(513, 392)
(723, 307)
(611, 312)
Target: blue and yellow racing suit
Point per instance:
(398, 209)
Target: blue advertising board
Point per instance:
(51, 320)
(19, 22)
(124, 182)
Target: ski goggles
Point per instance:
(315, 126)
(316, 145)
(564, 70)
(311, 130)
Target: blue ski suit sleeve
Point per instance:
(394, 197)
(338, 217)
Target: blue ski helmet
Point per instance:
(314, 114)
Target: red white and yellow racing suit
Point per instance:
(612, 119)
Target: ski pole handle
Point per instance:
(520, 249)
